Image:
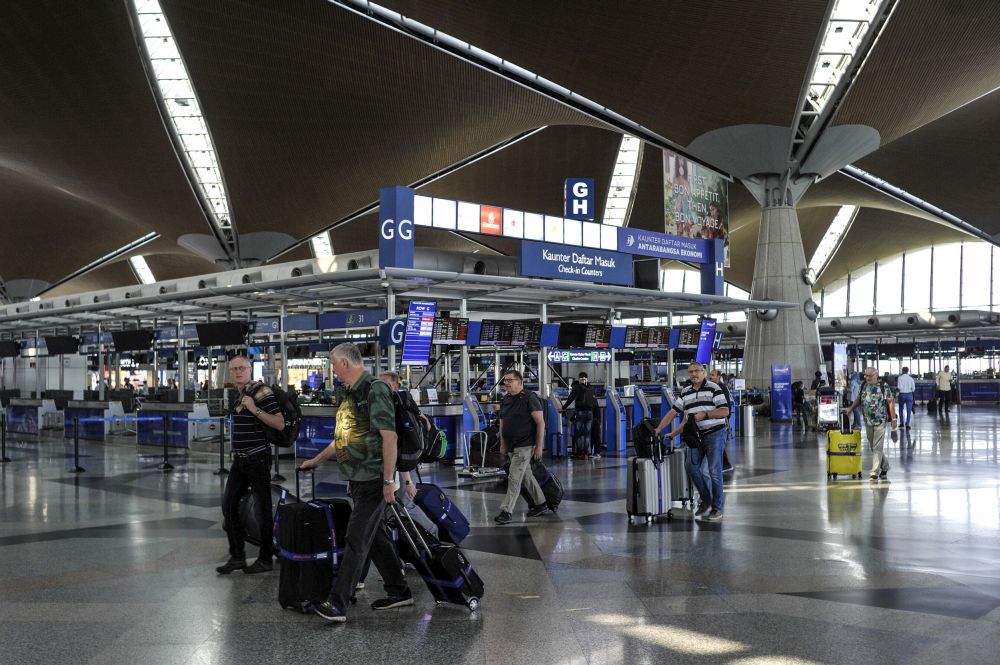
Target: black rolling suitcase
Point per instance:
(932, 405)
(309, 542)
(551, 487)
(444, 568)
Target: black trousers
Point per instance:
(944, 400)
(367, 536)
(255, 473)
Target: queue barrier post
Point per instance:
(277, 477)
(165, 466)
(222, 470)
(3, 438)
(76, 446)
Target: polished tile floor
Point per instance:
(116, 566)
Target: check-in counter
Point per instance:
(316, 431)
(447, 418)
(924, 391)
(180, 432)
(27, 416)
(985, 391)
(91, 431)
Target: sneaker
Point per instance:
(597, 456)
(540, 509)
(714, 516)
(360, 586)
(403, 600)
(502, 518)
(703, 508)
(874, 476)
(330, 612)
(259, 566)
(884, 476)
(230, 566)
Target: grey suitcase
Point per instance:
(680, 481)
(648, 489)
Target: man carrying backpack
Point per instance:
(586, 403)
(877, 407)
(365, 446)
(255, 406)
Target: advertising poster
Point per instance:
(781, 393)
(696, 201)
(840, 366)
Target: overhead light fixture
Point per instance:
(844, 34)
(179, 102)
(621, 191)
(141, 269)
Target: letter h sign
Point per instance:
(578, 195)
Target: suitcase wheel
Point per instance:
(834, 476)
(670, 515)
(473, 604)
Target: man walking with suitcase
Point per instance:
(522, 432)
(704, 402)
(877, 407)
(365, 446)
(582, 394)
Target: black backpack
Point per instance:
(409, 435)
(293, 419)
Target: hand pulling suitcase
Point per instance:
(843, 451)
(452, 524)
(648, 484)
(444, 568)
(309, 541)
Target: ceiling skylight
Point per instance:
(845, 30)
(839, 227)
(141, 269)
(321, 245)
(184, 112)
(622, 188)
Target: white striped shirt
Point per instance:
(707, 398)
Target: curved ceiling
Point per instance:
(313, 108)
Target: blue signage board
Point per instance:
(578, 196)
(578, 356)
(706, 341)
(390, 333)
(541, 259)
(265, 326)
(473, 336)
(419, 330)
(358, 318)
(395, 241)
(662, 245)
(617, 337)
(550, 335)
(781, 393)
(300, 322)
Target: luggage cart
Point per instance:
(827, 409)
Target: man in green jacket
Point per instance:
(365, 446)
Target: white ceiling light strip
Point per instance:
(181, 106)
(844, 34)
(621, 191)
(141, 269)
(321, 245)
(834, 235)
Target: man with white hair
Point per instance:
(877, 407)
(365, 446)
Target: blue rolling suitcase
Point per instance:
(452, 524)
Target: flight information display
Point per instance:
(636, 337)
(454, 332)
(659, 337)
(496, 333)
(419, 330)
(688, 338)
(526, 333)
(598, 336)
(706, 341)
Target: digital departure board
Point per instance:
(688, 338)
(598, 336)
(496, 333)
(658, 338)
(572, 335)
(419, 330)
(526, 333)
(636, 337)
(706, 341)
(453, 332)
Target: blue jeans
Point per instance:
(581, 432)
(708, 482)
(905, 408)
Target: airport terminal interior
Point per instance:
(690, 313)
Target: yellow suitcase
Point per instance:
(843, 453)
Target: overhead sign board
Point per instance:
(578, 199)
(578, 356)
(540, 259)
(661, 245)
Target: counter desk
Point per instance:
(180, 432)
(91, 430)
(27, 416)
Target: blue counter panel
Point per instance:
(22, 419)
(92, 431)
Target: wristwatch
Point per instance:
(387, 483)
(258, 412)
(407, 482)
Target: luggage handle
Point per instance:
(406, 532)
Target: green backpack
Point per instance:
(435, 445)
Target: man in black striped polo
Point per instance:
(254, 408)
(706, 403)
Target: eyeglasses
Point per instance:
(240, 368)
(511, 380)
